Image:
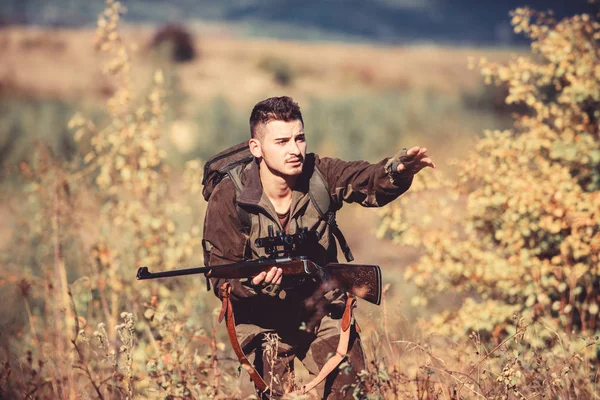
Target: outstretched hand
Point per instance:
(415, 160)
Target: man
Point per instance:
(278, 189)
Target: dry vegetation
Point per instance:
(401, 95)
(503, 258)
(63, 63)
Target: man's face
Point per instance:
(282, 146)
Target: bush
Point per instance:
(521, 231)
(176, 42)
(517, 234)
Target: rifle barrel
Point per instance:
(143, 272)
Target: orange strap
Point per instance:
(340, 352)
(227, 312)
(259, 382)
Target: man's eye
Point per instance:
(301, 139)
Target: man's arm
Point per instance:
(372, 185)
(224, 243)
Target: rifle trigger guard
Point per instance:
(305, 264)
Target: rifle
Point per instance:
(362, 280)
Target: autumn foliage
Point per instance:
(509, 246)
(516, 235)
(96, 219)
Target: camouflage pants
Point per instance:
(313, 350)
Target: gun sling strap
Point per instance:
(259, 382)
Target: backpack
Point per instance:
(230, 163)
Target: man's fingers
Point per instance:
(274, 275)
(278, 276)
(416, 152)
(270, 275)
(420, 160)
(428, 162)
(259, 278)
(413, 151)
(421, 154)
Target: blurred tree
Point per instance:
(175, 41)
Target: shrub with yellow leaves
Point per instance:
(517, 232)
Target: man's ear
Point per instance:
(255, 148)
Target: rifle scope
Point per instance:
(282, 239)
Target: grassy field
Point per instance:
(63, 64)
(359, 102)
(401, 96)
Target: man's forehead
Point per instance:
(277, 128)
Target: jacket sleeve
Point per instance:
(370, 185)
(223, 241)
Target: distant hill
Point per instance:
(449, 21)
(484, 22)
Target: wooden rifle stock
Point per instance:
(362, 280)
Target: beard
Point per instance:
(290, 167)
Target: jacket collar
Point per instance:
(251, 186)
(252, 192)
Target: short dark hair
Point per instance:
(274, 109)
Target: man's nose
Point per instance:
(294, 149)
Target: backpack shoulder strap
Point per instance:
(235, 174)
(321, 200)
(229, 164)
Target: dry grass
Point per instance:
(62, 63)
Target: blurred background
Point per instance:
(394, 69)
(371, 77)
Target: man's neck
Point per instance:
(278, 188)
